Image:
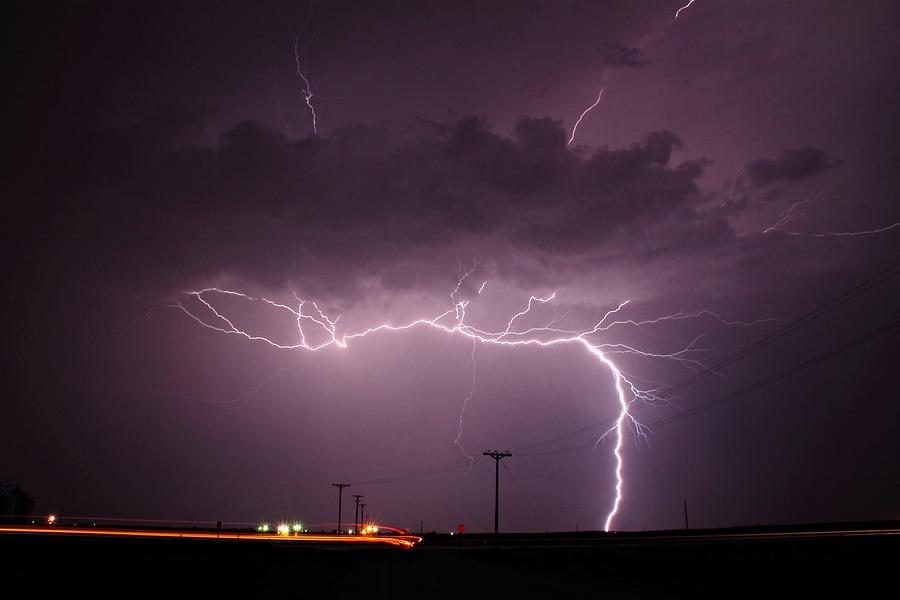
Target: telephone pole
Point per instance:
(685, 514)
(497, 455)
(356, 520)
(340, 487)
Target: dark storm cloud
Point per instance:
(117, 201)
(372, 201)
(626, 193)
(617, 55)
(792, 165)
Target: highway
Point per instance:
(561, 540)
(856, 559)
(403, 541)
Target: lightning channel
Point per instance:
(307, 92)
(797, 210)
(586, 111)
(312, 323)
(465, 405)
(678, 12)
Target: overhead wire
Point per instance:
(855, 291)
(886, 328)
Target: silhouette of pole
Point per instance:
(356, 513)
(685, 515)
(340, 487)
(497, 456)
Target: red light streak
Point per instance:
(402, 541)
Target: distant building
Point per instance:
(16, 505)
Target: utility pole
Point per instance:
(362, 512)
(356, 520)
(340, 487)
(497, 455)
(685, 514)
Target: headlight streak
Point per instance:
(402, 541)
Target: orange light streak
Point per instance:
(405, 541)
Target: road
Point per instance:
(855, 560)
(403, 541)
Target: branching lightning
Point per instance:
(313, 323)
(600, 95)
(308, 94)
(797, 210)
(301, 56)
(678, 12)
(586, 111)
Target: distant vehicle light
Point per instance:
(51, 519)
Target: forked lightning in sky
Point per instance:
(797, 210)
(312, 323)
(308, 94)
(201, 306)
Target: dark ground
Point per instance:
(42, 567)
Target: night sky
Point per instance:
(743, 160)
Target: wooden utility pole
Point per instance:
(356, 520)
(497, 455)
(340, 487)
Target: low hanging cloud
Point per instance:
(617, 55)
(383, 203)
(793, 165)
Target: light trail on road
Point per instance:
(402, 541)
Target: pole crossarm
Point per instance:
(497, 455)
(340, 487)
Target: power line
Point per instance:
(497, 455)
(527, 501)
(857, 290)
(340, 487)
(782, 374)
(805, 319)
(463, 462)
(814, 314)
(453, 465)
(753, 386)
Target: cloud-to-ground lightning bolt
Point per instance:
(586, 111)
(678, 12)
(465, 405)
(200, 305)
